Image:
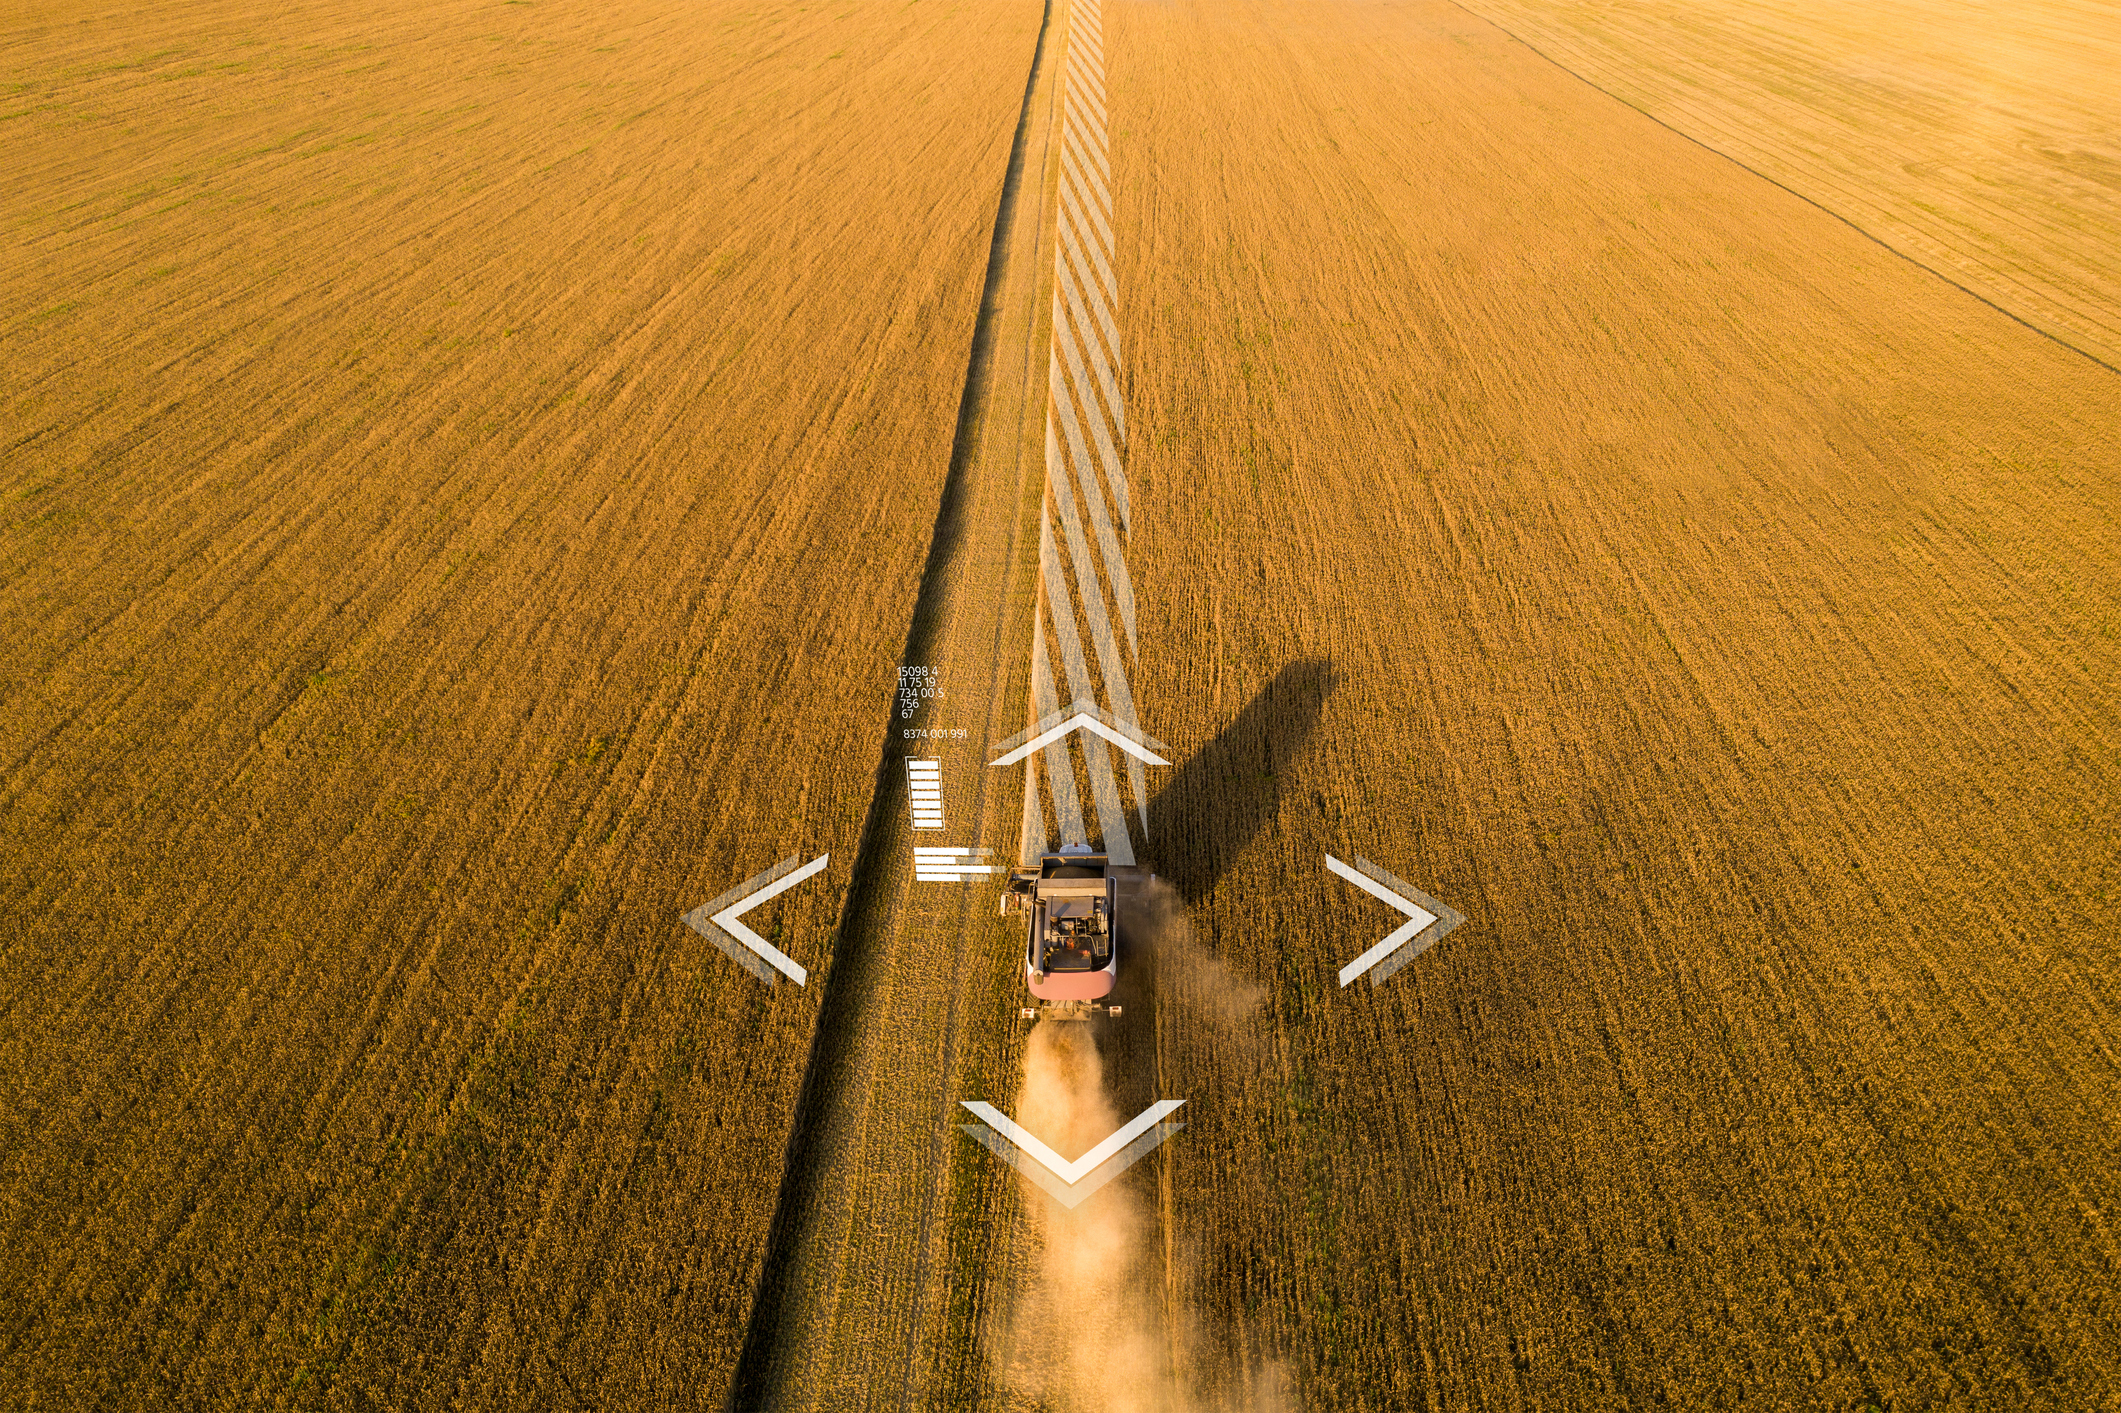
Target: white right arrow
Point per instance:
(1420, 920)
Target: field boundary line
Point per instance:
(1880, 241)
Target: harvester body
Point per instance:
(1071, 944)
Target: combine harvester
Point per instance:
(1071, 951)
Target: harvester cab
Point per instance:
(1071, 946)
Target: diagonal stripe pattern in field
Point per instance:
(1084, 590)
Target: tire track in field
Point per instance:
(1115, 1254)
(810, 1339)
(1083, 580)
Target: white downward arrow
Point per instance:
(1075, 1172)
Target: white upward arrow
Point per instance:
(1419, 918)
(1082, 720)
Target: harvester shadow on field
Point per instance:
(1200, 824)
(1207, 814)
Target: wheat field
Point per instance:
(1721, 611)
(471, 474)
(466, 472)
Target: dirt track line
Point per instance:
(772, 1370)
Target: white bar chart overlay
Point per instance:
(924, 779)
(949, 865)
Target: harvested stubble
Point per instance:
(1722, 611)
(466, 473)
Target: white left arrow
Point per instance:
(721, 916)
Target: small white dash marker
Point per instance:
(949, 865)
(924, 781)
